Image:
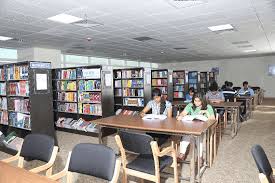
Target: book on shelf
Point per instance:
(118, 92)
(90, 109)
(93, 97)
(159, 82)
(17, 72)
(10, 137)
(179, 88)
(92, 73)
(2, 74)
(162, 89)
(178, 95)
(2, 88)
(67, 107)
(89, 85)
(20, 88)
(66, 74)
(66, 85)
(179, 74)
(198, 117)
(79, 124)
(126, 112)
(4, 117)
(67, 96)
(133, 92)
(16, 143)
(117, 84)
(3, 103)
(117, 74)
(194, 85)
(132, 73)
(159, 74)
(19, 105)
(132, 83)
(138, 102)
(20, 120)
(179, 81)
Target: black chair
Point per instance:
(91, 159)
(36, 147)
(150, 161)
(266, 172)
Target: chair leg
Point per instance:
(20, 162)
(69, 177)
(141, 180)
(175, 164)
(215, 145)
(49, 172)
(211, 150)
(124, 177)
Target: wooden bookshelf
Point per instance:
(3, 97)
(159, 79)
(128, 89)
(203, 82)
(28, 98)
(193, 80)
(179, 85)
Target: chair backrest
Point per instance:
(236, 88)
(93, 159)
(136, 142)
(38, 147)
(229, 97)
(174, 111)
(262, 162)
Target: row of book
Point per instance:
(67, 107)
(159, 82)
(66, 85)
(66, 74)
(17, 72)
(117, 75)
(178, 81)
(93, 73)
(179, 88)
(132, 74)
(11, 141)
(20, 88)
(4, 117)
(20, 120)
(93, 97)
(126, 112)
(139, 102)
(194, 85)
(133, 92)
(163, 90)
(19, 105)
(178, 94)
(118, 92)
(117, 84)
(159, 74)
(79, 124)
(89, 85)
(2, 88)
(90, 109)
(179, 75)
(67, 96)
(193, 80)
(133, 83)
(2, 74)
(3, 103)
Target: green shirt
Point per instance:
(190, 110)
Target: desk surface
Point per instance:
(244, 97)
(221, 104)
(13, 174)
(169, 125)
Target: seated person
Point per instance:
(158, 105)
(214, 95)
(246, 90)
(197, 106)
(190, 94)
(224, 86)
(229, 93)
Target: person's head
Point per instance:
(229, 85)
(191, 91)
(245, 84)
(225, 83)
(214, 86)
(156, 95)
(199, 100)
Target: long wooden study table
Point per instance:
(11, 174)
(169, 126)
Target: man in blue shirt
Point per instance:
(246, 90)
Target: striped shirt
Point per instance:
(156, 107)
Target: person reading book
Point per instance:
(213, 95)
(246, 90)
(190, 94)
(198, 106)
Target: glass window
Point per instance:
(155, 66)
(76, 59)
(99, 61)
(8, 53)
(132, 63)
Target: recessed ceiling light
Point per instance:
(221, 27)
(248, 51)
(4, 38)
(65, 18)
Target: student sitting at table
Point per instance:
(214, 95)
(229, 93)
(197, 106)
(190, 94)
(246, 90)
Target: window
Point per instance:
(76, 59)
(99, 61)
(8, 54)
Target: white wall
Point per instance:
(254, 70)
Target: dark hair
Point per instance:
(214, 86)
(229, 84)
(245, 83)
(157, 93)
(203, 101)
(191, 89)
(225, 83)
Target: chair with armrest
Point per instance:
(266, 172)
(36, 147)
(150, 161)
(91, 159)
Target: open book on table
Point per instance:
(154, 117)
(194, 118)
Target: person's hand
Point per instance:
(179, 118)
(142, 114)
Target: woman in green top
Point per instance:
(197, 106)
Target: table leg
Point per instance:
(193, 160)
(198, 140)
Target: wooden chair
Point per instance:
(213, 141)
(36, 147)
(91, 159)
(266, 172)
(150, 161)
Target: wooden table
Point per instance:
(248, 104)
(11, 174)
(196, 130)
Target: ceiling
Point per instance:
(171, 24)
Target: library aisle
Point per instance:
(233, 154)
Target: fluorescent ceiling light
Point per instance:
(221, 27)
(4, 38)
(248, 51)
(65, 18)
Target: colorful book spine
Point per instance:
(67, 107)
(89, 97)
(20, 88)
(2, 74)
(20, 120)
(90, 109)
(89, 85)
(19, 105)
(132, 83)
(159, 74)
(132, 74)
(66, 85)
(67, 96)
(133, 92)
(66, 74)
(138, 102)
(159, 82)
(17, 72)
(2, 88)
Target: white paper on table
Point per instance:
(189, 118)
(154, 117)
(41, 82)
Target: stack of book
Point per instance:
(66, 85)
(132, 74)
(179, 88)
(20, 88)
(80, 124)
(19, 105)
(178, 74)
(3, 103)
(17, 72)
(13, 142)
(118, 92)
(4, 117)
(2, 74)
(159, 74)
(89, 97)
(178, 94)
(138, 102)
(117, 84)
(67, 107)
(66, 74)
(67, 96)
(90, 109)
(178, 81)
(19, 120)
(117, 75)
(89, 85)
